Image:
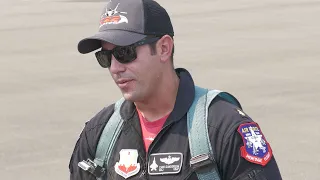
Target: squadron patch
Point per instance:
(256, 149)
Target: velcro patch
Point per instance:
(165, 163)
(256, 149)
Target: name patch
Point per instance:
(165, 163)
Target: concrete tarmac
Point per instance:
(265, 52)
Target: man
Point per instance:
(135, 42)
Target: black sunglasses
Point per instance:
(123, 54)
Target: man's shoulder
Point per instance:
(100, 119)
(232, 134)
(225, 116)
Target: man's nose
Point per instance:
(116, 67)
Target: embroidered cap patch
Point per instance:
(256, 149)
(165, 163)
(113, 16)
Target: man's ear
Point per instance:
(164, 48)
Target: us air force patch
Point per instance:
(165, 163)
(256, 149)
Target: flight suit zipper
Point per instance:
(156, 139)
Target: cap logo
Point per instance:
(113, 16)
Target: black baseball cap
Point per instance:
(125, 22)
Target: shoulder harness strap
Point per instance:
(199, 142)
(109, 136)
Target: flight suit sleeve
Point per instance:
(81, 152)
(240, 148)
(237, 167)
(86, 144)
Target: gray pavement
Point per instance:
(264, 52)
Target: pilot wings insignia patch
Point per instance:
(169, 159)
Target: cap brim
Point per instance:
(116, 37)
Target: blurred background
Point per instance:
(264, 52)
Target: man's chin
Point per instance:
(128, 96)
(132, 96)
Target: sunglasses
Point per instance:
(123, 54)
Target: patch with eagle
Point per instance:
(256, 149)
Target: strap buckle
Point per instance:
(92, 167)
(201, 160)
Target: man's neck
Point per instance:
(162, 102)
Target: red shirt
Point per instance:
(150, 129)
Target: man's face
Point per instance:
(137, 79)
